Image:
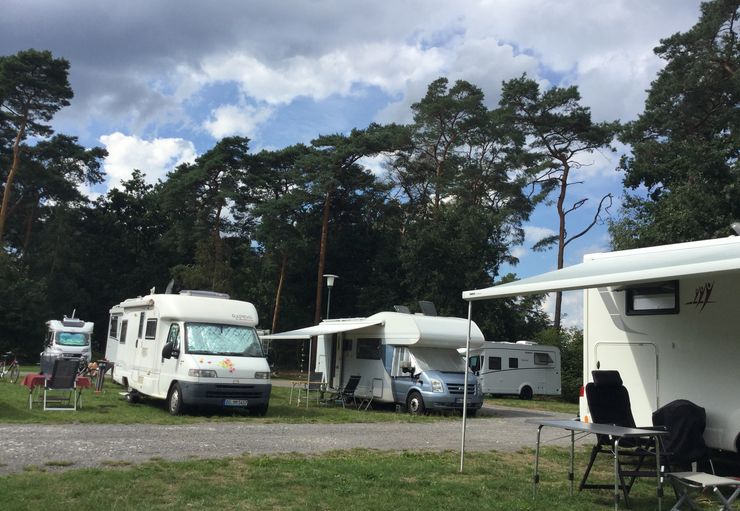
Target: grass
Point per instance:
(357, 480)
(550, 404)
(109, 407)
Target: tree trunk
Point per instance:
(11, 175)
(561, 240)
(29, 225)
(279, 292)
(322, 257)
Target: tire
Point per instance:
(133, 397)
(261, 410)
(415, 403)
(472, 412)
(15, 372)
(174, 400)
(526, 393)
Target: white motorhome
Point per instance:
(69, 337)
(523, 368)
(193, 348)
(666, 318)
(408, 359)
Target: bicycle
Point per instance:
(9, 368)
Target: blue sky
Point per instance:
(158, 83)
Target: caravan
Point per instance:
(523, 368)
(407, 359)
(193, 348)
(69, 337)
(666, 318)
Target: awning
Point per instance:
(625, 268)
(325, 328)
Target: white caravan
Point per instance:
(69, 337)
(193, 348)
(408, 359)
(667, 318)
(523, 368)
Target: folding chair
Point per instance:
(686, 483)
(347, 393)
(60, 388)
(315, 383)
(609, 403)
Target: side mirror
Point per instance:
(408, 369)
(169, 351)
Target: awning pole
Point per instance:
(308, 376)
(465, 387)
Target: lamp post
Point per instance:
(330, 284)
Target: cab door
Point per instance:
(168, 366)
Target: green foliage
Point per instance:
(685, 145)
(570, 342)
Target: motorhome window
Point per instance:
(141, 326)
(657, 298)
(224, 340)
(124, 329)
(113, 328)
(494, 363)
(151, 329)
(173, 336)
(474, 363)
(72, 339)
(543, 359)
(513, 363)
(347, 344)
(368, 349)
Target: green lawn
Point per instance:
(354, 480)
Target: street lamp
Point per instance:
(330, 284)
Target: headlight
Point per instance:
(437, 386)
(202, 373)
(262, 375)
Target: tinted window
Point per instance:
(542, 359)
(368, 349)
(513, 363)
(494, 363)
(657, 298)
(113, 328)
(151, 328)
(124, 330)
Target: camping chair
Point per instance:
(60, 388)
(609, 403)
(347, 393)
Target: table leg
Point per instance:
(536, 477)
(658, 475)
(572, 454)
(616, 474)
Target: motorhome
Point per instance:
(407, 359)
(666, 318)
(69, 337)
(195, 348)
(523, 368)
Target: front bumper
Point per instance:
(437, 401)
(226, 395)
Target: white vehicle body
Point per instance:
(201, 343)
(69, 337)
(396, 355)
(667, 318)
(522, 368)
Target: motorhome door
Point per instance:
(637, 364)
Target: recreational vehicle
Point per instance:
(194, 348)
(666, 318)
(523, 368)
(69, 337)
(407, 359)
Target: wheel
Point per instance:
(174, 400)
(15, 372)
(526, 393)
(415, 403)
(260, 410)
(133, 397)
(472, 412)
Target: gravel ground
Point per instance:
(82, 445)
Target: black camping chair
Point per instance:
(347, 393)
(609, 403)
(685, 422)
(61, 387)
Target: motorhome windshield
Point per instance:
(213, 339)
(445, 360)
(72, 339)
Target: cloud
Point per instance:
(154, 157)
(571, 308)
(228, 120)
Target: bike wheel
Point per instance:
(15, 372)
(2, 370)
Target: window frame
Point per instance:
(652, 289)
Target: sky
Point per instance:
(159, 82)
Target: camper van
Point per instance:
(407, 359)
(523, 368)
(69, 337)
(195, 348)
(666, 318)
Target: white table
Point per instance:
(616, 432)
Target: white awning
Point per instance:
(325, 328)
(625, 268)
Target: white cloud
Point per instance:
(228, 120)
(571, 308)
(153, 157)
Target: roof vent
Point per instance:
(73, 322)
(736, 227)
(402, 309)
(427, 308)
(207, 294)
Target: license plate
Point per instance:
(236, 402)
